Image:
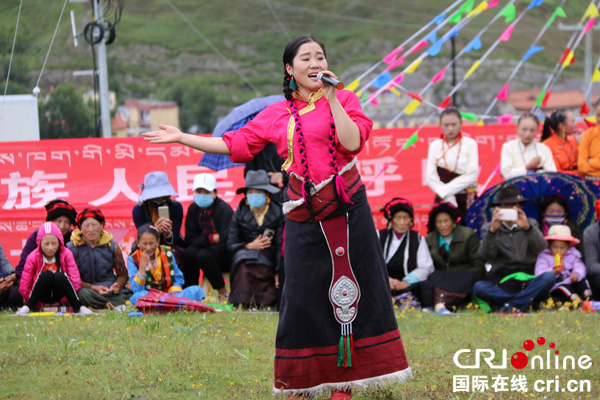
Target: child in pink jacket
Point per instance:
(50, 273)
(564, 260)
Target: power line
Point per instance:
(278, 20)
(192, 27)
(12, 52)
(51, 42)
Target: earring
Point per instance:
(293, 84)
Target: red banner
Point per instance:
(107, 173)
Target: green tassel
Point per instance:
(293, 84)
(348, 353)
(340, 360)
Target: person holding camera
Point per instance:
(157, 208)
(510, 246)
(255, 238)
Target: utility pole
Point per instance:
(587, 75)
(102, 74)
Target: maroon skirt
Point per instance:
(253, 284)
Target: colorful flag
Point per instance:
(503, 94)
(481, 7)
(411, 107)
(559, 12)
(585, 109)
(392, 55)
(440, 75)
(505, 37)
(475, 44)
(509, 13)
(596, 75)
(411, 140)
(412, 67)
(532, 50)
(354, 85)
(472, 69)
(445, 103)
(591, 12)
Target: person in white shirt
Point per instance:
(524, 155)
(453, 164)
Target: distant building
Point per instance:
(525, 100)
(138, 116)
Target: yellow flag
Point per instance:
(568, 59)
(596, 76)
(481, 7)
(359, 94)
(353, 86)
(412, 67)
(591, 12)
(472, 69)
(480, 122)
(411, 107)
(395, 91)
(591, 119)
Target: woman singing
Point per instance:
(337, 328)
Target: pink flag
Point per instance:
(492, 3)
(505, 119)
(373, 100)
(399, 78)
(506, 35)
(503, 94)
(392, 56)
(589, 25)
(420, 45)
(396, 63)
(439, 76)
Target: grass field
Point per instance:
(229, 355)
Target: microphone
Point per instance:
(330, 81)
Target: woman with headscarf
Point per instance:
(404, 249)
(98, 257)
(453, 248)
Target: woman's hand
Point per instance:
(102, 290)
(396, 284)
(144, 260)
(164, 225)
(166, 134)
(276, 280)
(114, 288)
(534, 163)
(259, 243)
(574, 277)
(329, 92)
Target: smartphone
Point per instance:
(508, 214)
(269, 234)
(163, 212)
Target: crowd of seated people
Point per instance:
(512, 267)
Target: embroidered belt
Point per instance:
(344, 292)
(324, 199)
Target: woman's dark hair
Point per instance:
(596, 103)
(451, 111)
(551, 123)
(529, 115)
(557, 199)
(147, 228)
(288, 58)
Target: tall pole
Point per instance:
(102, 74)
(453, 54)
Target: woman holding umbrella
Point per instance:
(326, 339)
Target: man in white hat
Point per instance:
(206, 232)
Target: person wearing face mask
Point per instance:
(405, 251)
(157, 192)
(555, 211)
(561, 135)
(524, 155)
(255, 238)
(206, 233)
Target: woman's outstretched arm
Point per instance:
(170, 134)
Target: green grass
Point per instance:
(229, 355)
